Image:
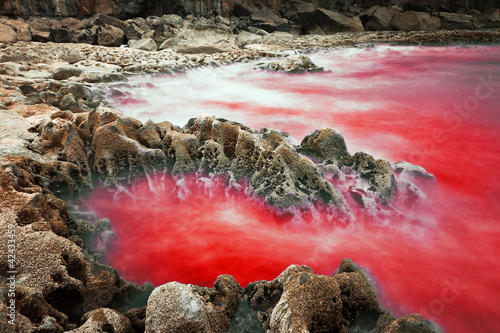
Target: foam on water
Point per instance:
(432, 106)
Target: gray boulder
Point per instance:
(452, 21)
(145, 44)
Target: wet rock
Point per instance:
(326, 22)
(377, 174)
(146, 44)
(415, 21)
(295, 64)
(324, 144)
(452, 21)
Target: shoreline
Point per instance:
(55, 83)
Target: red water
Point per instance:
(190, 232)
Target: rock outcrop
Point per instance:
(296, 301)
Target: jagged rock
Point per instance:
(451, 21)
(146, 44)
(415, 21)
(324, 144)
(72, 23)
(104, 320)
(487, 19)
(379, 19)
(172, 20)
(103, 20)
(293, 64)
(133, 32)
(326, 22)
(110, 36)
(266, 19)
(175, 307)
(63, 35)
(211, 40)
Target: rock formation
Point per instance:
(296, 301)
(58, 137)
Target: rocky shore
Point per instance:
(58, 137)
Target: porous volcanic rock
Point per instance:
(296, 301)
(104, 320)
(176, 307)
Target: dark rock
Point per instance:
(415, 21)
(103, 20)
(72, 23)
(487, 19)
(451, 21)
(243, 9)
(380, 20)
(110, 36)
(172, 20)
(266, 19)
(63, 73)
(133, 32)
(63, 35)
(325, 144)
(162, 32)
(322, 21)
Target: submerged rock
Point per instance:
(295, 64)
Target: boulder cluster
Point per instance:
(58, 137)
(244, 24)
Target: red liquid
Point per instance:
(449, 273)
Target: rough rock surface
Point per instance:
(296, 301)
(47, 153)
(176, 307)
(295, 64)
(415, 21)
(322, 21)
